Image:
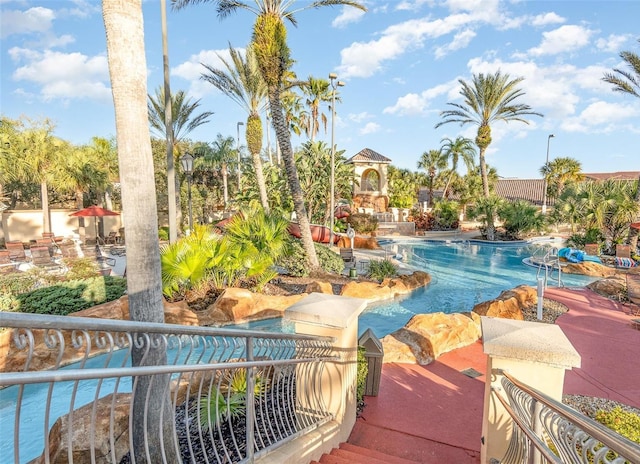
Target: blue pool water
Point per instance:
(463, 274)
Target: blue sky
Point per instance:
(400, 61)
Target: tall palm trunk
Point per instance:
(153, 424)
(225, 185)
(491, 228)
(253, 135)
(284, 141)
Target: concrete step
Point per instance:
(352, 454)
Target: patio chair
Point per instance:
(347, 256)
(111, 239)
(68, 250)
(592, 249)
(16, 251)
(96, 252)
(623, 251)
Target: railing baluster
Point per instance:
(250, 402)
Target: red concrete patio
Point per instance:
(433, 414)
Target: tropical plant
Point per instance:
(520, 218)
(152, 414)
(317, 91)
(402, 187)
(363, 223)
(220, 153)
(296, 264)
(446, 214)
(623, 80)
(380, 269)
(561, 172)
(485, 210)
(460, 149)
(269, 42)
(241, 81)
(432, 161)
(488, 99)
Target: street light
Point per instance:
(239, 159)
(186, 161)
(544, 184)
(334, 84)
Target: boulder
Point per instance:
(388, 288)
(589, 268)
(509, 303)
(319, 287)
(179, 313)
(614, 286)
(239, 304)
(81, 430)
(359, 241)
(427, 336)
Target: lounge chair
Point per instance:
(41, 257)
(6, 265)
(16, 251)
(623, 257)
(111, 239)
(592, 249)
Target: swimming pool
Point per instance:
(463, 274)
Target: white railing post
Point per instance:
(535, 353)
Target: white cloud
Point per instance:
(63, 75)
(359, 117)
(601, 117)
(347, 16)
(613, 43)
(192, 69)
(564, 39)
(546, 19)
(36, 19)
(370, 128)
(460, 40)
(413, 104)
(412, 5)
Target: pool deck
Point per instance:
(433, 413)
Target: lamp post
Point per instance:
(334, 84)
(239, 159)
(544, 184)
(186, 161)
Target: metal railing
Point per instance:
(546, 431)
(198, 395)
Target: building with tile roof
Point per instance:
(370, 191)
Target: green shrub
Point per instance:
(81, 268)
(163, 233)
(17, 282)
(363, 223)
(380, 269)
(72, 296)
(8, 302)
(363, 371)
(620, 421)
(330, 261)
(296, 262)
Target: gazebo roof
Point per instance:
(367, 155)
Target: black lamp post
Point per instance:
(186, 161)
(334, 84)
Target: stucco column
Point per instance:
(337, 317)
(535, 353)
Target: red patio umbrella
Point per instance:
(94, 211)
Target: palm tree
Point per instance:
(561, 172)
(220, 153)
(432, 161)
(241, 82)
(626, 81)
(488, 99)
(269, 42)
(455, 150)
(183, 121)
(153, 415)
(317, 91)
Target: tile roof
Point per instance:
(620, 175)
(522, 189)
(367, 155)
